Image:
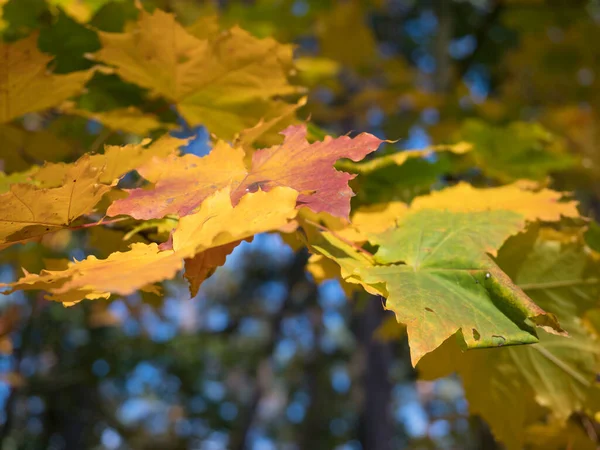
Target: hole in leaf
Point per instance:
(429, 309)
(476, 334)
(256, 186)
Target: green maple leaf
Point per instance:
(440, 280)
(508, 386)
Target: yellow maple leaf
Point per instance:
(206, 25)
(542, 205)
(26, 84)
(209, 233)
(28, 211)
(130, 119)
(218, 223)
(373, 219)
(226, 81)
(266, 132)
(116, 160)
(121, 273)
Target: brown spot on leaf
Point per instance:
(500, 344)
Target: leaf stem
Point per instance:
(100, 222)
(346, 241)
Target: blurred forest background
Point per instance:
(263, 358)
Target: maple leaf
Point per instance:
(218, 223)
(349, 259)
(25, 83)
(115, 162)
(439, 280)
(121, 273)
(128, 119)
(28, 211)
(557, 373)
(372, 219)
(182, 183)
(225, 81)
(446, 272)
(309, 168)
(266, 132)
(545, 204)
(204, 264)
(213, 228)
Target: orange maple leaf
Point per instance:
(182, 183)
(204, 264)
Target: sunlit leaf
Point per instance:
(558, 373)
(182, 183)
(114, 162)
(226, 82)
(26, 83)
(28, 211)
(128, 119)
(121, 273)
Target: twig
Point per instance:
(100, 222)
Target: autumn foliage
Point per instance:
(493, 277)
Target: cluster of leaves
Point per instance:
(503, 268)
